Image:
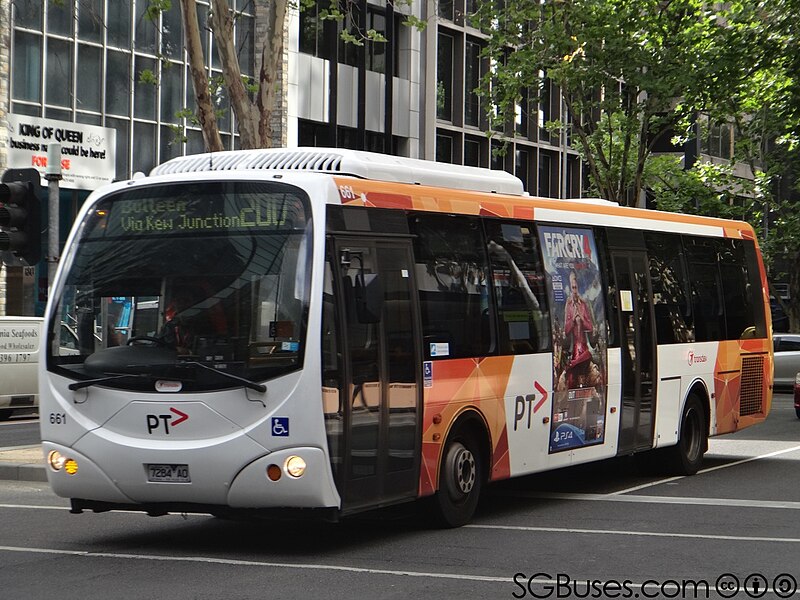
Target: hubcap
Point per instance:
(465, 471)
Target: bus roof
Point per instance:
(338, 161)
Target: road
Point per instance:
(19, 430)
(613, 526)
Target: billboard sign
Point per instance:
(88, 152)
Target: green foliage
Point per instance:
(629, 70)
(155, 7)
(148, 77)
(189, 114)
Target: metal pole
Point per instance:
(53, 175)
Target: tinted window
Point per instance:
(519, 288)
(452, 270)
(787, 346)
(706, 288)
(739, 296)
(668, 278)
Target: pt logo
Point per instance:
(528, 405)
(155, 422)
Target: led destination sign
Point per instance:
(264, 212)
(209, 212)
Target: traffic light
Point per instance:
(20, 229)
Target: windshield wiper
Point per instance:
(245, 382)
(78, 385)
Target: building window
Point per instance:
(545, 110)
(27, 71)
(444, 148)
(171, 86)
(446, 10)
(444, 77)
(59, 72)
(474, 71)
(172, 32)
(28, 14)
(90, 20)
(90, 68)
(498, 156)
(119, 24)
(118, 83)
(311, 30)
(522, 159)
(59, 18)
(473, 152)
(545, 174)
(376, 51)
(522, 114)
(719, 142)
(144, 106)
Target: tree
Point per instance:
(765, 112)
(254, 102)
(632, 73)
(253, 115)
(635, 73)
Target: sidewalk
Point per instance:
(23, 463)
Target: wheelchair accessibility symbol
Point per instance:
(280, 426)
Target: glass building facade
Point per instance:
(117, 65)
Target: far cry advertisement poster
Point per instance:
(579, 337)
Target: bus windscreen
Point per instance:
(165, 277)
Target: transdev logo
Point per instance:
(696, 358)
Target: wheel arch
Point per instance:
(472, 422)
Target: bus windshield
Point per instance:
(187, 283)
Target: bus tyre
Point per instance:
(687, 456)
(460, 481)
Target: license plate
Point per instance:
(168, 473)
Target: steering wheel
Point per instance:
(146, 338)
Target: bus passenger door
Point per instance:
(637, 345)
(379, 389)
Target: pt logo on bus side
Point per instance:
(155, 422)
(524, 405)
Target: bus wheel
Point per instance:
(687, 455)
(460, 481)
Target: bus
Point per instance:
(321, 332)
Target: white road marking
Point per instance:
(253, 563)
(680, 500)
(627, 533)
(708, 470)
(518, 579)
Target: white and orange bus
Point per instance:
(339, 331)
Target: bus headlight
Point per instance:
(295, 466)
(56, 460)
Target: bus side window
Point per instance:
(452, 271)
(519, 288)
(673, 317)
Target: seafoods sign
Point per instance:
(19, 342)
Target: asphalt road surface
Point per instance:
(608, 530)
